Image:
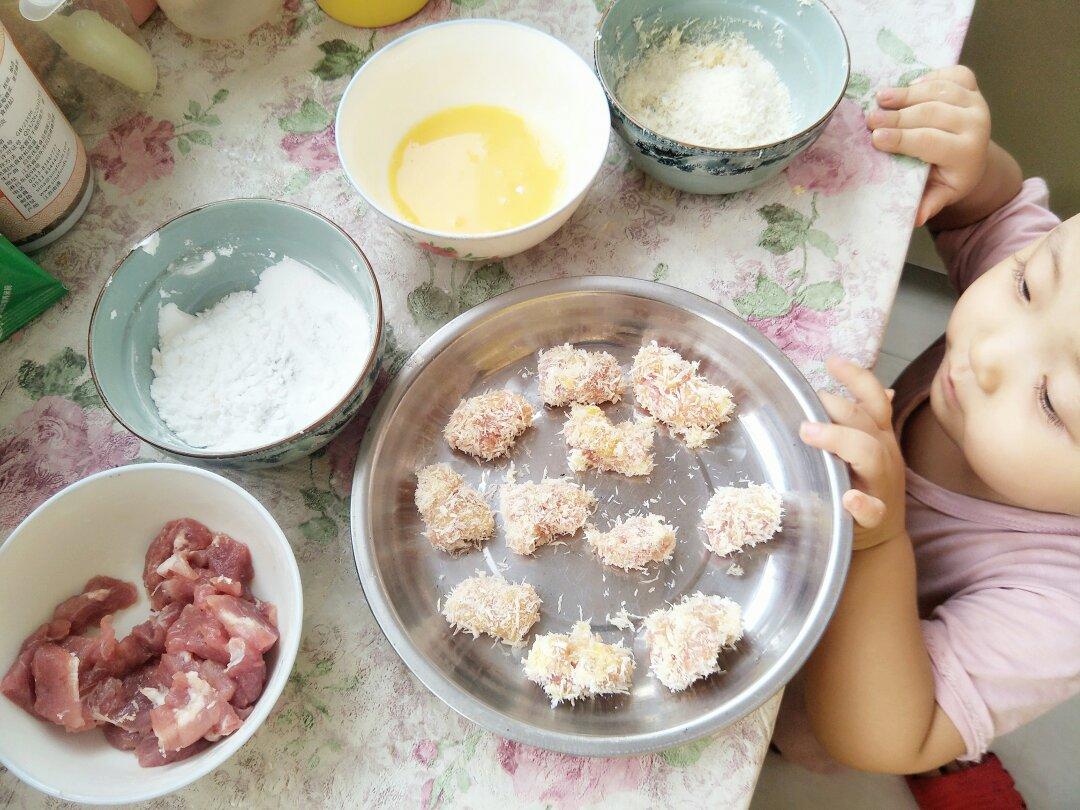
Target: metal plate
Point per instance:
(790, 585)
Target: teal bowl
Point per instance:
(804, 42)
(246, 236)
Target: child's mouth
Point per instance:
(948, 387)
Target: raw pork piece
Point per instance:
(150, 756)
(99, 597)
(226, 557)
(686, 639)
(56, 688)
(192, 709)
(177, 537)
(247, 670)
(243, 620)
(633, 542)
(199, 633)
(736, 517)
(596, 442)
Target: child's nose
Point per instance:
(989, 356)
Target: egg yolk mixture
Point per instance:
(473, 169)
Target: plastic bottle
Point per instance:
(219, 19)
(45, 180)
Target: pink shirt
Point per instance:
(999, 586)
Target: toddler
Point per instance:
(960, 618)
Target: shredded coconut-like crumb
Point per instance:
(736, 517)
(487, 425)
(579, 665)
(456, 517)
(735, 570)
(486, 604)
(623, 619)
(567, 374)
(537, 513)
(596, 442)
(685, 640)
(633, 542)
(720, 94)
(669, 388)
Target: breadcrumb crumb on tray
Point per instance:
(738, 517)
(597, 443)
(686, 639)
(456, 517)
(567, 374)
(578, 665)
(490, 605)
(487, 426)
(633, 542)
(535, 514)
(669, 388)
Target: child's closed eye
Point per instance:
(1020, 280)
(1042, 392)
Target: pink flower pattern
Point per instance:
(843, 156)
(135, 151)
(54, 444)
(803, 334)
(565, 781)
(314, 151)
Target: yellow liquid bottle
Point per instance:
(473, 169)
(371, 13)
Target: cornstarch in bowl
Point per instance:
(718, 93)
(259, 365)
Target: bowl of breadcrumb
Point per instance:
(716, 97)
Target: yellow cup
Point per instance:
(371, 13)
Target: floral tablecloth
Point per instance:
(812, 259)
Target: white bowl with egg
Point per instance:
(474, 62)
(103, 524)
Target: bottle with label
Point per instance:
(45, 178)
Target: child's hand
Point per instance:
(862, 435)
(940, 118)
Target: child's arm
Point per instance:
(869, 686)
(942, 118)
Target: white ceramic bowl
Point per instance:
(103, 525)
(473, 62)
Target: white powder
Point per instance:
(722, 94)
(262, 365)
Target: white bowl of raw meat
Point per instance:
(149, 619)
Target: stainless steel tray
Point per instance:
(790, 585)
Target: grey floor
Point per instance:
(1044, 756)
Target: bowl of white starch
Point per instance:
(716, 96)
(243, 333)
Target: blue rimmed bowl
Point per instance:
(244, 236)
(804, 42)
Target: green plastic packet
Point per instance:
(25, 289)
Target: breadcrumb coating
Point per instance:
(685, 640)
(596, 442)
(491, 605)
(633, 542)
(567, 374)
(579, 665)
(487, 425)
(669, 388)
(736, 517)
(537, 513)
(456, 516)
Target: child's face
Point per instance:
(1008, 390)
